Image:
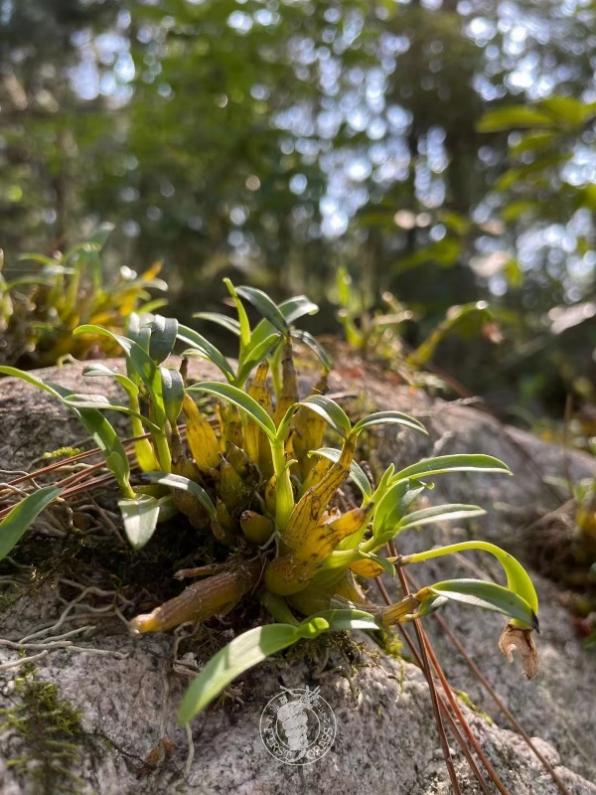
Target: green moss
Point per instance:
(465, 697)
(49, 732)
(61, 452)
(392, 645)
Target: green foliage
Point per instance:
(40, 310)
(380, 334)
(254, 478)
(18, 520)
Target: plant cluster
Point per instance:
(381, 331)
(247, 462)
(40, 308)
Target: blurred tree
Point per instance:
(284, 138)
(43, 119)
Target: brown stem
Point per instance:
(431, 686)
(501, 705)
(201, 600)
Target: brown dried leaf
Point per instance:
(522, 640)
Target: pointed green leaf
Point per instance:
(14, 372)
(16, 523)
(330, 411)
(292, 309)
(268, 308)
(164, 331)
(439, 513)
(184, 484)
(244, 652)
(101, 403)
(511, 117)
(239, 398)
(489, 596)
(390, 417)
(255, 354)
(473, 462)
(97, 370)
(229, 323)
(173, 393)
(341, 619)
(243, 321)
(315, 346)
(89, 328)
(296, 307)
(205, 349)
(392, 506)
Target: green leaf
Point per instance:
(292, 309)
(184, 484)
(341, 619)
(390, 417)
(14, 372)
(296, 307)
(572, 112)
(164, 331)
(97, 425)
(206, 350)
(307, 339)
(513, 117)
(518, 579)
(489, 596)
(244, 652)
(98, 370)
(255, 354)
(173, 393)
(472, 462)
(18, 520)
(106, 438)
(229, 323)
(392, 506)
(138, 333)
(140, 517)
(138, 362)
(439, 513)
(101, 403)
(268, 308)
(330, 411)
(89, 328)
(357, 474)
(239, 398)
(243, 321)
(533, 142)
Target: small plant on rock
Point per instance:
(246, 461)
(47, 297)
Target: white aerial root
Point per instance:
(49, 639)
(191, 752)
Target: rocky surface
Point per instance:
(127, 689)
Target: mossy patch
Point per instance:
(46, 734)
(465, 698)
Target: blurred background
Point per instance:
(392, 159)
